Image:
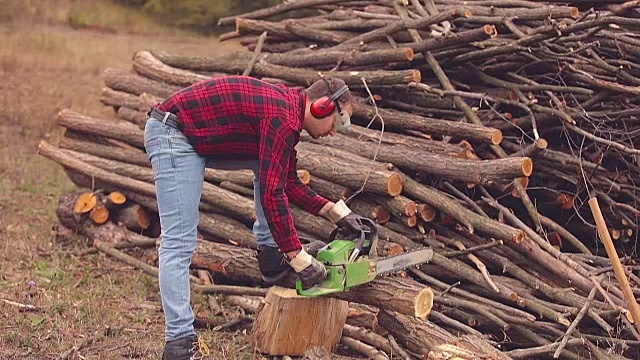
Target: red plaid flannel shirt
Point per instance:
(243, 118)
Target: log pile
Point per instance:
(482, 129)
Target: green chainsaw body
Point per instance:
(342, 274)
(352, 260)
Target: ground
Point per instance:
(52, 55)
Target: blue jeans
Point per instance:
(179, 174)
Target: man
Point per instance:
(236, 122)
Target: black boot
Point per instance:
(186, 348)
(272, 264)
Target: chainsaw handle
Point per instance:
(369, 231)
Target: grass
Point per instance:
(46, 65)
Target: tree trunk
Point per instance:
(485, 172)
(104, 151)
(118, 130)
(128, 175)
(149, 66)
(394, 119)
(321, 58)
(133, 116)
(397, 294)
(329, 190)
(135, 84)
(350, 174)
(132, 216)
(107, 232)
(290, 324)
(362, 133)
(120, 99)
(275, 10)
(163, 66)
(471, 220)
(422, 337)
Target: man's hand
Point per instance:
(340, 214)
(310, 271)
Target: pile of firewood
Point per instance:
(482, 129)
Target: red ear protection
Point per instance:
(324, 106)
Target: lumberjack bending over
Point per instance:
(238, 122)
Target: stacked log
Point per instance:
(481, 129)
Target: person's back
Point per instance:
(223, 117)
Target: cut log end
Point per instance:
(304, 176)
(490, 30)
(426, 212)
(415, 76)
(100, 214)
(411, 221)
(542, 143)
(410, 209)
(408, 52)
(524, 183)
(424, 303)
(527, 167)
(496, 137)
(86, 202)
(575, 12)
(380, 214)
(117, 198)
(394, 185)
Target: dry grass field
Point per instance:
(52, 54)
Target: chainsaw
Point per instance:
(352, 260)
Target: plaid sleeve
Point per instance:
(277, 141)
(300, 193)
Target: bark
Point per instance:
(363, 134)
(485, 172)
(159, 63)
(402, 25)
(290, 29)
(468, 218)
(126, 176)
(133, 116)
(399, 120)
(82, 223)
(132, 216)
(329, 190)
(118, 130)
(133, 83)
(325, 58)
(238, 264)
(368, 209)
(370, 351)
(423, 337)
(119, 99)
(238, 189)
(104, 151)
(275, 10)
(369, 337)
(349, 174)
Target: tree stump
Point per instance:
(290, 324)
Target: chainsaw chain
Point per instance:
(401, 254)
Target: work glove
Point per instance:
(344, 218)
(309, 270)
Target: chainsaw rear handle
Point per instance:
(369, 232)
